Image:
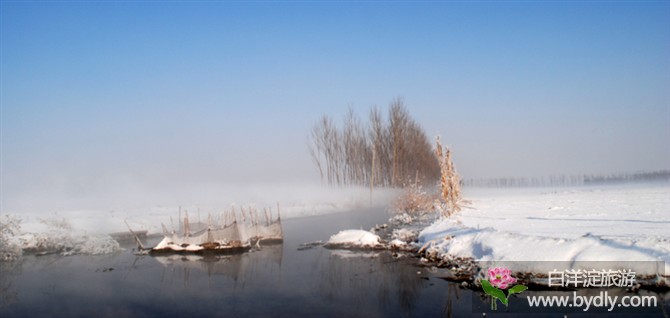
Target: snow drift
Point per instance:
(354, 239)
(609, 224)
(60, 237)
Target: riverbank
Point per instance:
(278, 280)
(534, 229)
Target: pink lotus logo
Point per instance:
(500, 278)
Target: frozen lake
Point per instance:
(276, 281)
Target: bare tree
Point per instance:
(316, 148)
(389, 153)
(378, 136)
(398, 119)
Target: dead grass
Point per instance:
(414, 201)
(450, 183)
(447, 200)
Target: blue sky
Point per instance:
(96, 94)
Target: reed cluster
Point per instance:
(450, 184)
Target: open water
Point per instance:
(275, 281)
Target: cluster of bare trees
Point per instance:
(570, 180)
(388, 152)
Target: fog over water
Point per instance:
(123, 104)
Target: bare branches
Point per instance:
(385, 153)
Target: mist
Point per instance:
(100, 113)
(80, 179)
(66, 164)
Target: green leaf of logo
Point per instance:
(493, 292)
(516, 289)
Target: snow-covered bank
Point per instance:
(619, 224)
(354, 239)
(57, 236)
(86, 230)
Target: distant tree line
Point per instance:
(389, 151)
(574, 180)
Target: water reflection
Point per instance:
(8, 292)
(276, 281)
(240, 268)
(380, 282)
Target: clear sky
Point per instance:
(101, 95)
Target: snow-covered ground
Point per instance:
(609, 223)
(626, 223)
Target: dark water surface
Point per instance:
(277, 281)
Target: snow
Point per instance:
(404, 234)
(61, 237)
(166, 243)
(617, 224)
(294, 202)
(78, 230)
(9, 249)
(398, 244)
(358, 238)
(348, 254)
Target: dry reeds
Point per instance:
(414, 200)
(449, 181)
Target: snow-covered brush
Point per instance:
(414, 201)
(450, 183)
(10, 227)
